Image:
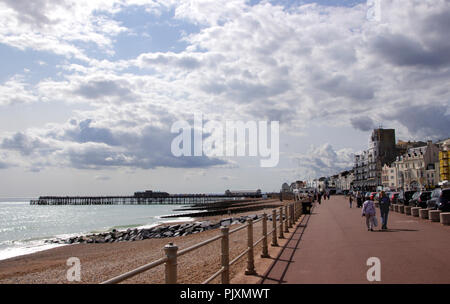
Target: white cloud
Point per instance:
(297, 65)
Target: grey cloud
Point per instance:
(363, 123)
(403, 51)
(105, 88)
(33, 12)
(83, 133)
(4, 165)
(243, 91)
(342, 86)
(147, 150)
(429, 121)
(178, 60)
(22, 143)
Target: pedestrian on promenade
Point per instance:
(368, 210)
(359, 199)
(384, 209)
(350, 199)
(319, 197)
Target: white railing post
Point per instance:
(265, 250)
(291, 216)
(250, 258)
(281, 236)
(225, 255)
(274, 225)
(171, 264)
(286, 221)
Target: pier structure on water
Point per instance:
(155, 199)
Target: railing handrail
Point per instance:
(163, 260)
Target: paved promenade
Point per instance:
(334, 247)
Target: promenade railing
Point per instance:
(282, 219)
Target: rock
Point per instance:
(167, 234)
(225, 222)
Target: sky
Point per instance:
(89, 90)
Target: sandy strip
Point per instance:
(100, 262)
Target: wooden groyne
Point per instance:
(175, 199)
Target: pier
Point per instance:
(155, 199)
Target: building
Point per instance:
(368, 164)
(417, 168)
(444, 161)
(285, 187)
(344, 181)
(389, 177)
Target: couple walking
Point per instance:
(369, 211)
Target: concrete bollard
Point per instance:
(250, 257)
(225, 258)
(274, 226)
(401, 208)
(265, 250)
(415, 211)
(391, 207)
(396, 207)
(171, 265)
(423, 214)
(445, 218)
(433, 215)
(408, 210)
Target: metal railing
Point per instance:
(287, 216)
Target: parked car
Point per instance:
(420, 198)
(393, 197)
(432, 202)
(404, 197)
(372, 195)
(444, 200)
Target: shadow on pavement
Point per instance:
(266, 277)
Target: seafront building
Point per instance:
(418, 168)
(368, 164)
(389, 177)
(444, 161)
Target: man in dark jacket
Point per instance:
(384, 209)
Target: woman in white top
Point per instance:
(369, 211)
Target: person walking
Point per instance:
(319, 197)
(384, 209)
(369, 211)
(359, 199)
(350, 199)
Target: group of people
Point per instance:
(369, 210)
(320, 194)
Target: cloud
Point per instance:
(363, 123)
(24, 144)
(424, 121)
(325, 161)
(264, 61)
(4, 165)
(15, 90)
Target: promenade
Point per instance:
(334, 245)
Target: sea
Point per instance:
(24, 227)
